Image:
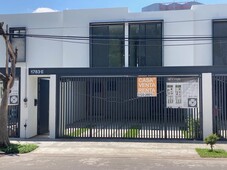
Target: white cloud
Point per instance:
(41, 10)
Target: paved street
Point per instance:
(57, 155)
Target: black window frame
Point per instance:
(17, 35)
(14, 35)
(161, 22)
(224, 20)
(92, 24)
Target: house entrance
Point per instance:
(43, 106)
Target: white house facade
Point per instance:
(83, 49)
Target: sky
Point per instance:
(29, 6)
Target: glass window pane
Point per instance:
(145, 46)
(18, 40)
(116, 46)
(142, 45)
(220, 43)
(107, 45)
(153, 45)
(133, 44)
(99, 46)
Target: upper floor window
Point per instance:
(18, 40)
(220, 42)
(145, 44)
(107, 45)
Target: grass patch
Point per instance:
(78, 132)
(207, 153)
(132, 133)
(188, 134)
(18, 148)
(185, 134)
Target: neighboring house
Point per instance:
(78, 71)
(170, 6)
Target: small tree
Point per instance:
(8, 81)
(211, 140)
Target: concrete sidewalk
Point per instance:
(109, 155)
(153, 149)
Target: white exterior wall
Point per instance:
(76, 22)
(39, 52)
(203, 16)
(49, 53)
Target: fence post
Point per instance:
(52, 106)
(207, 104)
(23, 104)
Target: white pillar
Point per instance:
(207, 104)
(32, 89)
(23, 105)
(28, 112)
(52, 106)
(126, 46)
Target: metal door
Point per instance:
(43, 106)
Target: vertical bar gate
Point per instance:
(14, 106)
(108, 107)
(14, 121)
(13, 116)
(220, 105)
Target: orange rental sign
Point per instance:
(147, 86)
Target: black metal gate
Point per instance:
(14, 121)
(220, 105)
(108, 107)
(14, 109)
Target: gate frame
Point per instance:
(121, 72)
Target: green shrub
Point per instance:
(19, 148)
(211, 140)
(191, 130)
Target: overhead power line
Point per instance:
(138, 45)
(172, 38)
(133, 41)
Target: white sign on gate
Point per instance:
(182, 92)
(13, 95)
